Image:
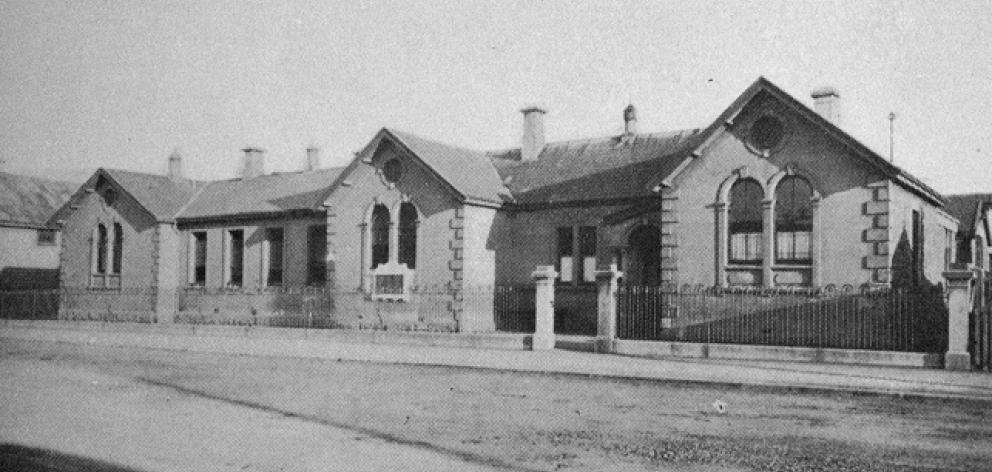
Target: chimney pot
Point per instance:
(176, 165)
(533, 136)
(254, 162)
(313, 158)
(826, 103)
(630, 120)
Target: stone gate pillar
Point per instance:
(959, 305)
(544, 308)
(607, 282)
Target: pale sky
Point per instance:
(87, 84)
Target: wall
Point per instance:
(935, 222)
(441, 238)
(135, 299)
(834, 172)
(24, 262)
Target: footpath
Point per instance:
(506, 352)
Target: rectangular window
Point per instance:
(317, 255)
(46, 237)
(587, 253)
(745, 248)
(235, 257)
(273, 256)
(793, 247)
(948, 248)
(917, 261)
(199, 259)
(566, 243)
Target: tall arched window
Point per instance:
(380, 235)
(408, 235)
(793, 221)
(745, 222)
(101, 249)
(118, 248)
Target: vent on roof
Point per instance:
(313, 158)
(254, 162)
(533, 136)
(826, 103)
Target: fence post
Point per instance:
(544, 308)
(959, 305)
(606, 326)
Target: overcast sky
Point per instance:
(85, 84)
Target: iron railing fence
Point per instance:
(513, 308)
(29, 304)
(575, 309)
(880, 319)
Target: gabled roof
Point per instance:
(967, 208)
(592, 169)
(469, 172)
(160, 195)
(29, 201)
(897, 174)
(264, 194)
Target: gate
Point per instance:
(981, 326)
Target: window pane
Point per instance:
(408, 235)
(587, 251)
(101, 249)
(199, 258)
(118, 248)
(793, 220)
(380, 235)
(274, 236)
(565, 264)
(564, 250)
(745, 222)
(317, 255)
(237, 250)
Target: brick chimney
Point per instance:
(533, 138)
(313, 158)
(826, 103)
(254, 163)
(176, 165)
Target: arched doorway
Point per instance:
(644, 256)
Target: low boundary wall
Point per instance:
(663, 349)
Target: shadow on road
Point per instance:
(14, 457)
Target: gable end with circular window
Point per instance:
(766, 135)
(392, 171)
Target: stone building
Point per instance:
(974, 237)
(772, 193)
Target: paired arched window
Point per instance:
(793, 221)
(745, 222)
(380, 235)
(408, 235)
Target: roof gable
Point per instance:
(863, 152)
(968, 209)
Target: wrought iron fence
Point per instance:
(513, 308)
(880, 319)
(127, 304)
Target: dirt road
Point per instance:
(159, 410)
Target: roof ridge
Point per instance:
(676, 132)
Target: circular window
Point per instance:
(392, 170)
(766, 133)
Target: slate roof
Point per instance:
(161, 196)
(470, 172)
(261, 195)
(611, 167)
(966, 208)
(29, 201)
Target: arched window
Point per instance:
(408, 235)
(793, 221)
(745, 222)
(101, 249)
(118, 248)
(380, 235)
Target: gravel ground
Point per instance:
(557, 422)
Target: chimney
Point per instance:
(176, 165)
(254, 162)
(826, 102)
(313, 158)
(533, 139)
(630, 120)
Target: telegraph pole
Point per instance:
(892, 119)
